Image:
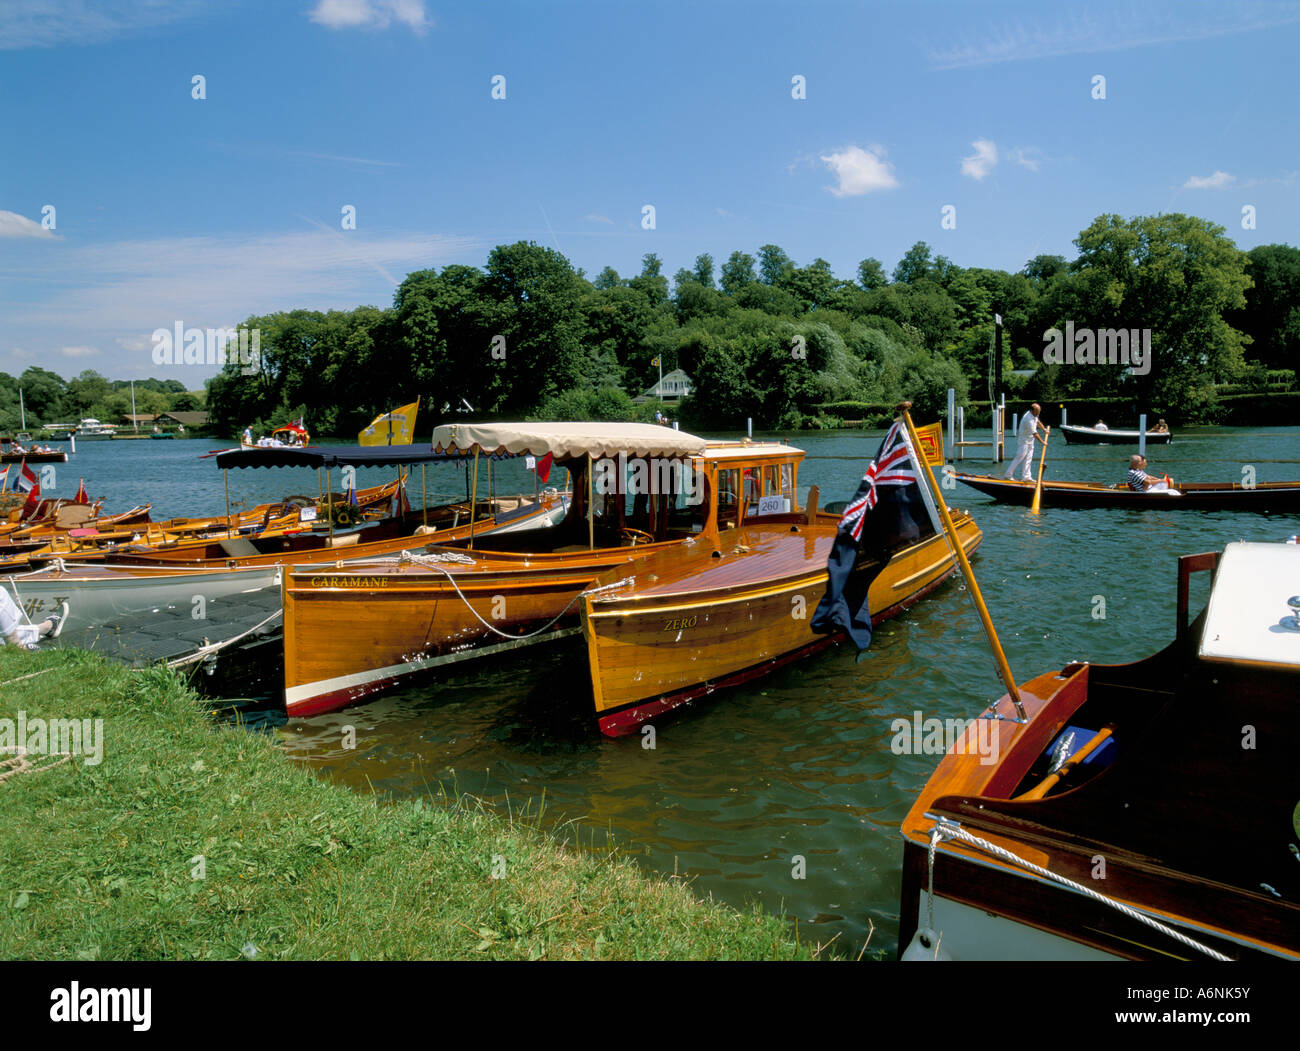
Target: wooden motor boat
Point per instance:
(399, 619)
(722, 610)
(289, 435)
(9, 455)
(1109, 436)
(1168, 786)
(447, 524)
(1193, 496)
(99, 592)
(89, 542)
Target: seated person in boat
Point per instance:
(1099, 426)
(1141, 482)
(1160, 428)
(14, 632)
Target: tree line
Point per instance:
(48, 398)
(761, 337)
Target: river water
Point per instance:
(784, 791)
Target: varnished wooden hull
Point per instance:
(353, 632)
(688, 622)
(445, 526)
(1273, 497)
(99, 592)
(127, 534)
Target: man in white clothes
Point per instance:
(15, 633)
(1026, 435)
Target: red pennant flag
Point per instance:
(26, 480)
(33, 502)
(544, 466)
(82, 497)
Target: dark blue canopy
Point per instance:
(337, 456)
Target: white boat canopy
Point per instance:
(1249, 618)
(567, 440)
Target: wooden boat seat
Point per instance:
(72, 516)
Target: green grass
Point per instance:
(100, 862)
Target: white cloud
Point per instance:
(123, 291)
(982, 161)
(724, 213)
(14, 225)
(371, 14)
(1090, 31)
(859, 171)
(1027, 157)
(594, 218)
(78, 352)
(1217, 181)
(52, 23)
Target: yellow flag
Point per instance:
(931, 438)
(392, 428)
(655, 362)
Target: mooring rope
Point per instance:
(217, 647)
(944, 829)
(431, 562)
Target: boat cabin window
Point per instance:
(729, 498)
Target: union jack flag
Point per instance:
(892, 466)
(890, 495)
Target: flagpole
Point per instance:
(1004, 669)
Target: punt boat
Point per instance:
(637, 489)
(1191, 496)
(1111, 436)
(1135, 811)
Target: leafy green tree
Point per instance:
(1043, 268)
(1173, 274)
(871, 274)
(608, 278)
(914, 265)
(651, 281)
(773, 265)
(737, 272)
(1271, 315)
(43, 393)
(704, 269)
(813, 285)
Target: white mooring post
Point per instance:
(1142, 434)
(1002, 428)
(952, 423)
(749, 426)
(1064, 418)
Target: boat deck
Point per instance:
(173, 636)
(752, 555)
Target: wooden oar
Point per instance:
(1037, 505)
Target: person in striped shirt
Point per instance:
(1141, 482)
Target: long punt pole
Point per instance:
(1004, 669)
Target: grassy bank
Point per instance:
(194, 841)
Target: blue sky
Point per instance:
(169, 208)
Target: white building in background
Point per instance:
(672, 388)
